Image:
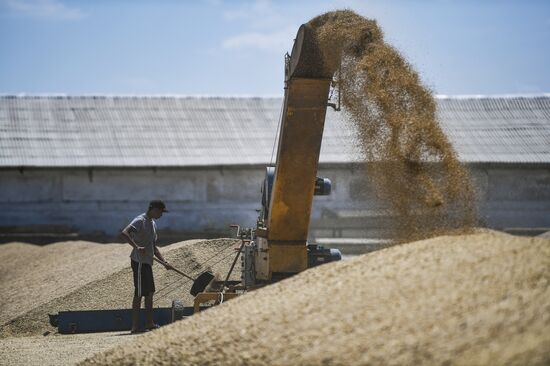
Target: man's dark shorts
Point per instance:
(144, 284)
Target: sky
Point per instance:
(217, 47)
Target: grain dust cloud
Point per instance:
(412, 166)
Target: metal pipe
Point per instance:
(234, 262)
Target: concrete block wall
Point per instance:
(513, 196)
(510, 197)
(98, 203)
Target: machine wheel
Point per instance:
(177, 310)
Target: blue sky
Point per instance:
(216, 47)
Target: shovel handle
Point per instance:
(174, 269)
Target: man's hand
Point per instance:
(141, 250)
(167, 266)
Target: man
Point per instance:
(141, 234)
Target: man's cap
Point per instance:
(158, 204)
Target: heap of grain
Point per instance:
(88, 276)
(412, 166)
(31, 275)
(482, 298)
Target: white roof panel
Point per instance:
(161, 131)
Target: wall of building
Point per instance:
(98, 203)
(513, 198)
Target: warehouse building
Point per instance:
(82, 167)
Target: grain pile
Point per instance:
(482, 298)
(112, 288)
(413, 167)
(57, 350)
(32, 275)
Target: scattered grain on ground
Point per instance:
(31, 275)
(57, 350)
(115, 289)
(468, 299)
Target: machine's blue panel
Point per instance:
(89, 321)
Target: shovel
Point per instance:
(199, 283)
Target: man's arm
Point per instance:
(126, 233)
(164, 261)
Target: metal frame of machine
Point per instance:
(277, 247)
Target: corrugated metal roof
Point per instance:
(505, 129)
(93, 131)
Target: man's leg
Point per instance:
(136, 301)
(149, 282)
(149, 311)
(136, 305)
